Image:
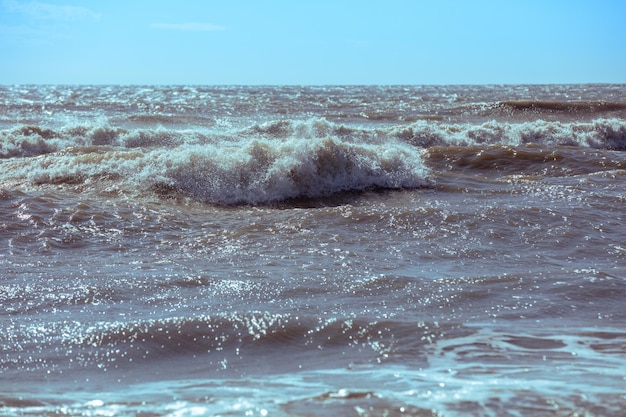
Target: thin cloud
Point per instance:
(30, 35)
(190, 27)
(45, 11)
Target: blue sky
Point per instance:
(312, 42)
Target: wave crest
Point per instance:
(262, 171)
(601, 134)
(249, 171)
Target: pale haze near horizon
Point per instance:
(313, 43)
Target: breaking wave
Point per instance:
(601, 134)
(252, 171)
(269, 162)
(33, 140)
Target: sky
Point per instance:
(321, 42)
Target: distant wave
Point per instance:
(33, 140)
(583, 106)
(601, 134)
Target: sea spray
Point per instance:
(249, 171)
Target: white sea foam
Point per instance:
(247, 171)
(25, 141)
(272, 161)
(259, 171)
(601, 133)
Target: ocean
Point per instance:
(313, 250)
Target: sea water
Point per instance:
(305, 251)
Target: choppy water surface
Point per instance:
(303, 251)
